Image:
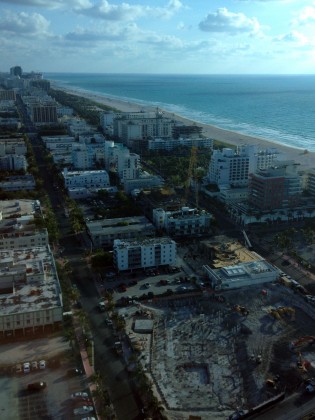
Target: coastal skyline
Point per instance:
(169, 36)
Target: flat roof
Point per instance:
(37, 286)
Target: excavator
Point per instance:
(282, 310)
(242, 310)
(309, 339)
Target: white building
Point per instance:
(103, 232)
(31, 298)
(127, 165)
(17, 226)
(309, 181)
(152, 252)
(88, 179)
(12, 146)
(142, 125)
(186, 221)
(58, 142)
(13, 163)
(231, 168)
(242, 275)
(170, 144)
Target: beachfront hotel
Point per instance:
(231, 167)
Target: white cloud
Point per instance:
(24, 23)
(128, 12)
(224, 21)
(305, 16)
(292, 37)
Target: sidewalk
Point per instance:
(88, 368)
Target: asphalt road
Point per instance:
(112, 368)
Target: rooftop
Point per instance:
(28, 281)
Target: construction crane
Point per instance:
(191, 176)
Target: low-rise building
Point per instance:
(186, 221)
(13, 163)
(18, 183)
(17, 226)
(153, 252)
(144, 181)
(30, 292)
(170, 144)
(241, 275)
(88, 179)
(104, 232)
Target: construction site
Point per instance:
(208, 355)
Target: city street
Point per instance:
(126, 403)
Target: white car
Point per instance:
(79, 395)
(42, 364)
(26, 367)
(89, 418)
(83, 410)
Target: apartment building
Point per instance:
(17, 225)
(142, 125)
(103, 232)
(13, 163)
(186, 221)
(309, 181)
(277, 187)
(88, 179)
(154, 252)
(30, 292)
(168, 144)
(18, 183)
(12, 146)
(43, 112)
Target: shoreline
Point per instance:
(306, 160)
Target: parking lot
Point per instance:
(148, 284)
(53, 401)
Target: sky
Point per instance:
(158, 36)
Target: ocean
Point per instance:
(272, 107)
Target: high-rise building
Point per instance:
(16, 71)
(274, 188)
(44, 112)
(231, 167)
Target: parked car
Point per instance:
(83, 410)
(37, 386)
(89, 418)
(164, 282)
(18, 368)
(79, 395)
(34, 365)
(42, 364)
(26, 367)
(74, 372)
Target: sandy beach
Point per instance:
(306, 160)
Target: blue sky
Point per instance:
(159, 36)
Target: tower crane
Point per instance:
(191, 176)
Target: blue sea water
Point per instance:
(273, 107)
